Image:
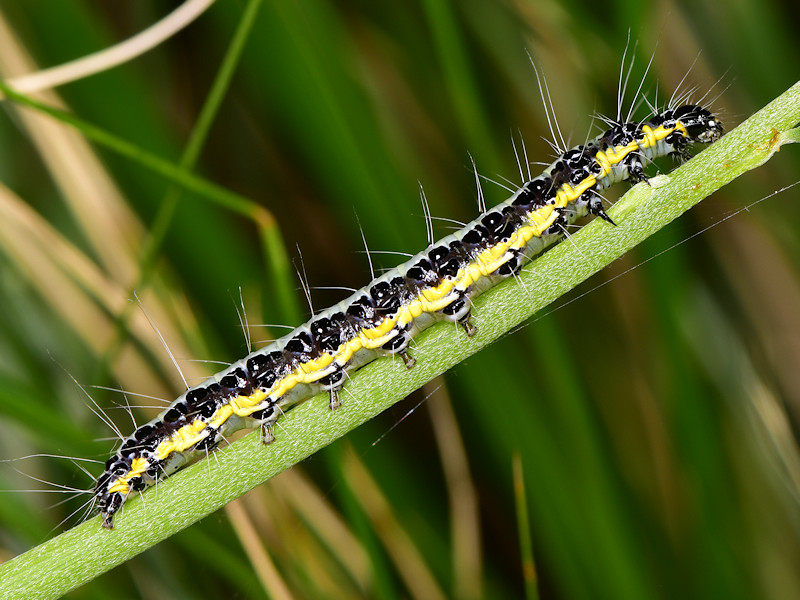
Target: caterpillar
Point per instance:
(382, 318)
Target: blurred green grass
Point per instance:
(654, 416)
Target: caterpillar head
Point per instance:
(701, 125)
(108, 501)
(127, 471)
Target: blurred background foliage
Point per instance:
(654, 418)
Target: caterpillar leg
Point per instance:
(468, 327)
(681, 151)
(595, 204)
(399, 345)
(636, 172)
(511, 267)
(408, 360)
(459, 312)
(267, 435)
(333, 383)
(266, 419)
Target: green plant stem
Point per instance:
(167, 207)
(530, 577)
(82, 553)
(165, 168)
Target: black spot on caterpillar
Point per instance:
(382, 318)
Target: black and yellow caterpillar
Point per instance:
(383, 317)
